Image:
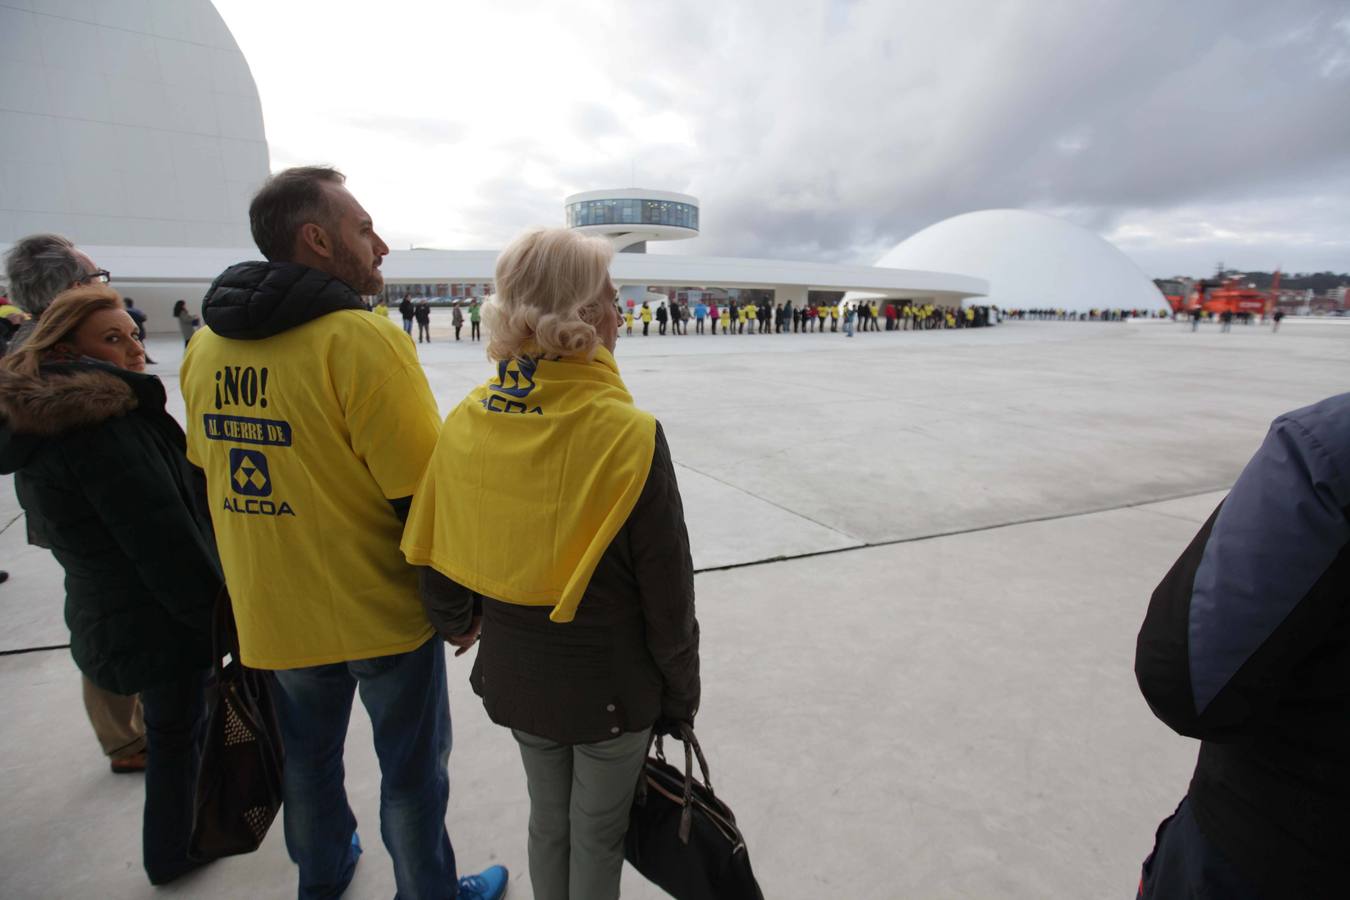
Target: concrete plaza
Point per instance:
(924, 559)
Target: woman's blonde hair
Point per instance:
(552, 285)
(59, 323)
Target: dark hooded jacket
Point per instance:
(100, 470)
(1246, 646)
(250, 301)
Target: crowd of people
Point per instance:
(730, 317)
(1089, 315)
(319, 500)
(418, 310)
(784, 317)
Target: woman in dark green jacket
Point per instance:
(100, 470)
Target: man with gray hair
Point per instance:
(38, 268)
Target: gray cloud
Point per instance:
(833, 133)
(832, 129)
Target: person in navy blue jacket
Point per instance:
(1246, 646)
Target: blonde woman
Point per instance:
(552, 524)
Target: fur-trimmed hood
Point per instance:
(63, 398)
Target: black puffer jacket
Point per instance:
(1246, 646)
(100, 469)
(250, 301)
(630, 655)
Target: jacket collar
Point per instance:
(67, 396)
(255, 300)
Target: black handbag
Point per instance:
(239, 784)
(681, 837)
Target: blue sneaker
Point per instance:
(490, 884)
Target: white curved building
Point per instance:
(134, 128)
(1031, 261)
(127, 124)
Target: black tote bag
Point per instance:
(681, 837)
(239, 785)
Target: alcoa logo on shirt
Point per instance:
(515, 380)
(249, 477)
(243, 389)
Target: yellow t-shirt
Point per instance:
(834, 312)
(305, 437)
(646, 314)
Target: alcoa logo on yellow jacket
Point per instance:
(515, 381)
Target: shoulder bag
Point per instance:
(239, 784)
(681, 837)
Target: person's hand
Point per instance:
(468, 638)
(672, 727)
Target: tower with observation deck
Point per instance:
(630, 217)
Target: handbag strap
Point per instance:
(687, 808)
(691, 750)
(224, 632)
(687, 734)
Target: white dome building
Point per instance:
(1031, 261)
(126, 124)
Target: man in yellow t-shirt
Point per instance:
(313, 422)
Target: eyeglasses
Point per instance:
(102, 276)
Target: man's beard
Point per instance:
(362, 279)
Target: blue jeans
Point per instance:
(175, 714)
(409, 709)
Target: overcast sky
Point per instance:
(1185, 132)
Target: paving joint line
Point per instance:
(868, 545)
(22, 650)
(791, 512)
(1166, 515)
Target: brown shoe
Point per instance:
(128, 765)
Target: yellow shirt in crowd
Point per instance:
(305, 436)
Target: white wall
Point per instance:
(126, 123)
(157, 300)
